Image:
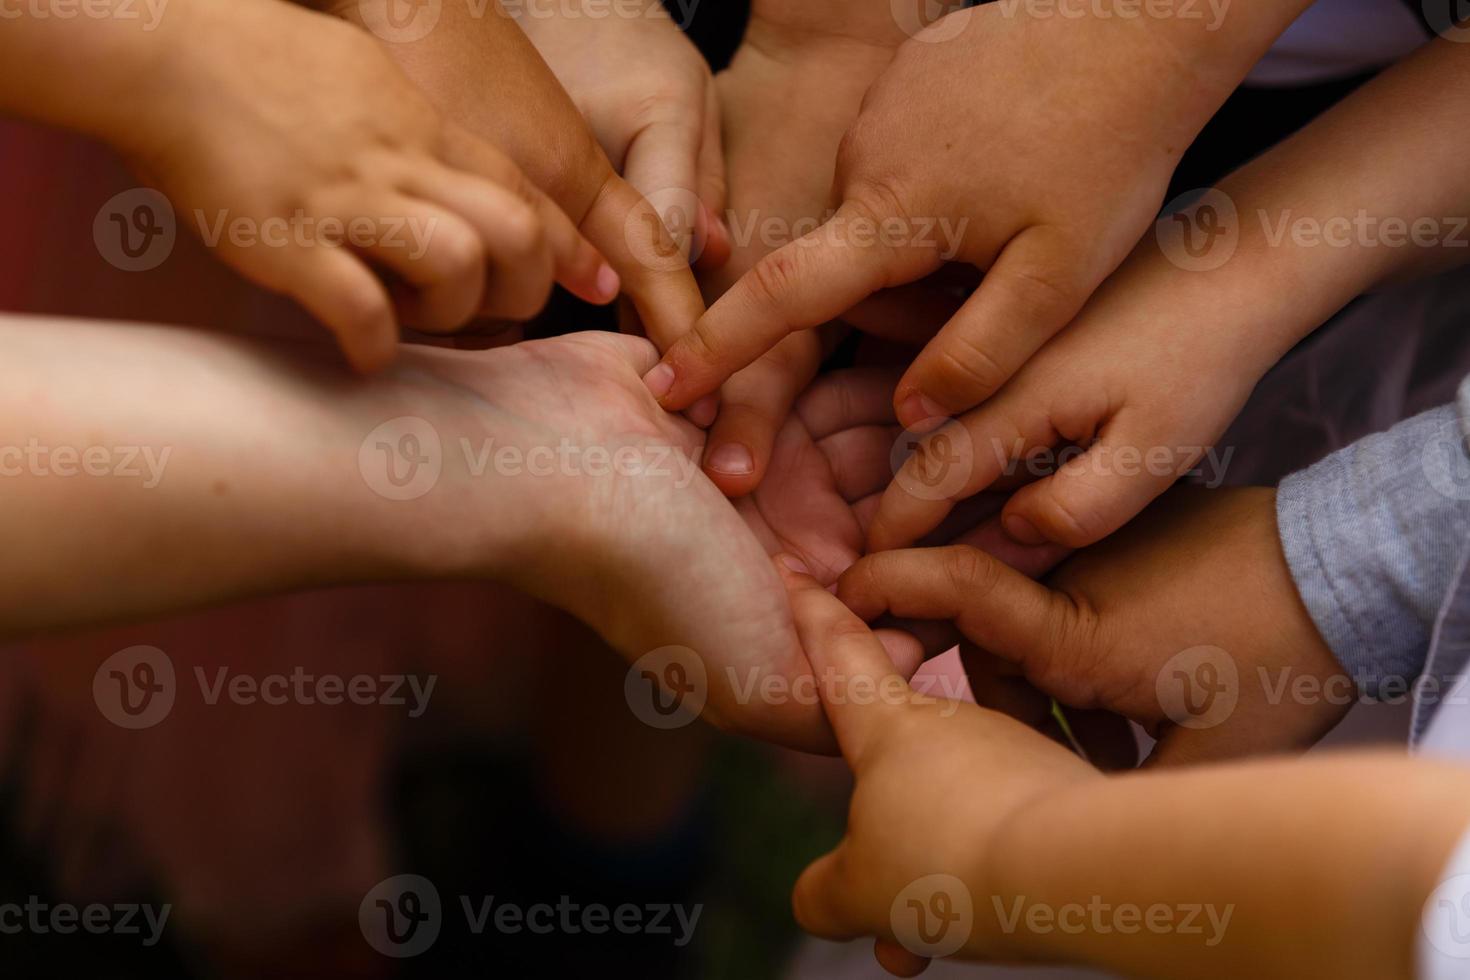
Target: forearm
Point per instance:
(1374, 190)
(1346, 849)
(147, 469)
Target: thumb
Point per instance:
(822, 899)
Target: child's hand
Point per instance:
(1036, 149)
(1147, 377)
(779, 152)
(936, 781)
(479, 68)
(1186, 621)
(295, 147)
(647, 94)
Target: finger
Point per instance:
(822, 899)
(956, 461)
(848, 398)
(1094, 494)
(662, 163)
(994, 606)
(441, 261)
(1029, 293)
(897, 960)
(624, 226)
(575, 262)
(336, 287)
(754, 404)
(1033, 561)
(801, 285)
(859, 459)
(848, 658)
(911, 314)
(715, 247)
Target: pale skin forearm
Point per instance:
(1345, 849)
(148, 469)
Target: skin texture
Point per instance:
(314, 510)
(485, 74)
(1048, 146)
(1200, 568)
(1039, 827)
(1164, 354)
(647, 95)
(299, 155)
(778, 154)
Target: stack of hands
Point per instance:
(975, 196)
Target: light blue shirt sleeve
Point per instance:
(1373, 535)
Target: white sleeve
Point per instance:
(1443, 944)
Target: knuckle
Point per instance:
(965, 365)
(776, 276)
(971, 572)
(1072, 524)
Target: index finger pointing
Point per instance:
(858, 683)
(801, 285)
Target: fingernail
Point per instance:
(1021, 530)
(660, 380)
(608, 282)
(733, 459)
(919, 411)
(702, 413)
(795, 564)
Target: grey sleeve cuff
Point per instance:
(1372, 534)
